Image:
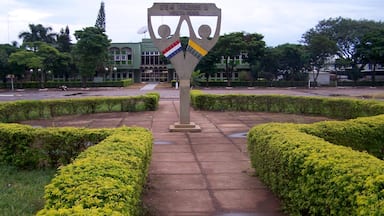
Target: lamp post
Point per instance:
(106, 71)
(114, 72)
(41, 78)
(11, 77)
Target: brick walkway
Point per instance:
(196, 174)
(204, 173)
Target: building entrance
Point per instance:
(154, 75)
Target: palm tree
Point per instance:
(38, 33)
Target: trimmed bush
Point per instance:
(69, 84)
(27, 147)
(105, 179)
(258, 83)
(36, 109)
(362, 134)
(341, 108)
(313, 176)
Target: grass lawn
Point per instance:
(22, 191)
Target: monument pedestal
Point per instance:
(178, 127)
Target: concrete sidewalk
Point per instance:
(205, 173)
(196, 174)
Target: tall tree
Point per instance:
(255, 48)
(64, 40)
(28, 60)
(320, 50)
(292, 61)
(231, 46)
(90, 51)
(371, 50)
(38, 33)
(100, 21)
(269, 64)
(347, 35)
(43, 60)
(5, 67)
(207, 66)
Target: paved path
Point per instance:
(149, 87)
(204, 173)
(196, 174)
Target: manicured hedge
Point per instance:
(260, 83)
(362, 134)
(69, 84)
(341, 108)
(105, 179)
(302, 164)
(14, 111)
(313, 176)
(27, 147)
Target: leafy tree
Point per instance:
(5, 67)
(230, 46)
(347, 34)
(320, 49)
(269, 64)
(38, 33)
(207, 66)
(90, 51)
(63, 40)
(64, 65)
(28, 60)
(371, 50)
(255, 48)
(292, 61)
(45, 58)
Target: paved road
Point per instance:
(171, 93)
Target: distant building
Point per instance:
(324, 78)
(143, 62)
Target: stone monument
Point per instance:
(184, 62)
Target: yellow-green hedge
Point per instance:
(313, 176)
(27, 147)
(341, 108)
(302, 164)
(105, 179)
(362, 134)
(14, 111)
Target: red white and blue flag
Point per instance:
(172, 50)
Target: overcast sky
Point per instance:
(280, 21)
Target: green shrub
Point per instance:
(27, 147)
(74, 84)
(362, 134)
(313, 176)
(341, 108)
(36, 109)
(105, 179)
(258, 83)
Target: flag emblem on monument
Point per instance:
(196, 50)
(172, 50)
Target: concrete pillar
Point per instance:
(185, 100)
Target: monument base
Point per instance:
(191, 127)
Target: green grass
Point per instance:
(22, 191)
